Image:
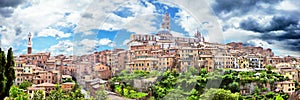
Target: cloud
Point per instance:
(229, 8)
(275, 23)
(62, 47)
(125, 42)
(196, 14)
(280, 49)
(86, 46)
(280, 30)
(10, 3)
(97, 16)
(53, 33)
(104, 41)
(36, 16)
(7, 7)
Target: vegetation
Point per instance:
(59, 94)
(219, 94)
(101, 94)
(68, 80)
(221, 84)
(38, 95)
(7, 73)
(24, 85)
(18, 94)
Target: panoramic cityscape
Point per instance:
(150, 50)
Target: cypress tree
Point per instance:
(9, 71)
(2, 75)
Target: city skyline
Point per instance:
(82, 25)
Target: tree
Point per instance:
(68, 80)
(269, 67)
(2, 74)
(17, 94)
(219, 94)
(175, 94)
(38, 95)
(76, 87)
(101, 94)
(24, 85)
(56, 94)
(77, 94)
(9, 71)
(278, 97)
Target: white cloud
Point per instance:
(38, 16)
(62, 47)
(140, 22)
(276, 47)
(90, 45)
(53, 33)
(125, 42)
(105, 41)
(113, 44)
(193, 14)
(239, 35)
(286, 5)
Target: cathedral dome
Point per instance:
(161, 32)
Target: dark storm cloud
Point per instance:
(277, 23)
(10, 3)
(7, 6)
(6, 12)
(287, 26)
(282, 30)
(240, 7)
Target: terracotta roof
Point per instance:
(35, 88)
(45, 84)
(69, 83)
(286, 82)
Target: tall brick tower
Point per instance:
(29, 44)
(166, 22)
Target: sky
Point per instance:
(85, 26)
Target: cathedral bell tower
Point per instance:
(29, 44)
(199, 36)
(166, 22)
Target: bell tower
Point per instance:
(166, 22)
(199, 36)
(29, 44)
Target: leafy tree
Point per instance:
(219, 94)
(278, 97)
(56, 94)
(24, 85)
(270, 95)
(17, 94)
(68, 80)
(269, 67)
(175, 94)
(77, 94)
(76, 87)
(101, 94)
(38, 95)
